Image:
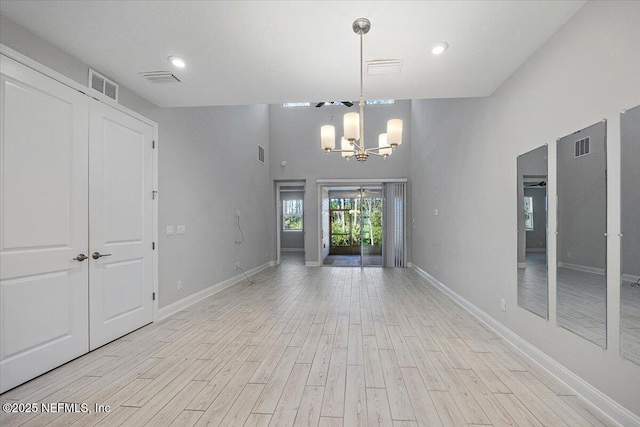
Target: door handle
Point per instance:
(97, 255)
(80, 257)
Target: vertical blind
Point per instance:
(395, 247)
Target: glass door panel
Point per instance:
(371, 225)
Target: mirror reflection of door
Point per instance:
(532, 232)
(581, 241)
(630, 198)
(355, 226)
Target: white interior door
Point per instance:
(121, 218)
(43, 225)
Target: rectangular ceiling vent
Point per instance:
(261, 154)
(103, 85)
(160, 77)
(384, 66)
(582, 147)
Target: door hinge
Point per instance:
(154, 193)
(154, 296)
(153, 144)
(153, 245)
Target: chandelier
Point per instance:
(352, 143)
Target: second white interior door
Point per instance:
(120, 218)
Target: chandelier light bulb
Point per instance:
(352, 126)
(328, 137)
(394, 132)
(346, 146)
(385, 150)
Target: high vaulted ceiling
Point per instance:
(258, 52)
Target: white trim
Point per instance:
(35, 65)
(522, 265)
(360, 181)
(609, 407)
(313, 264)
(630, 278)
(175, 307)
(583, 268)
(292, 249)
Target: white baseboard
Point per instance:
(291, 249)
(609, 407)
(313, 264)
(583, 268)
(522, 265)
(185, 302)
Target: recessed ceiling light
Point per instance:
(177, 61)
(439, 48)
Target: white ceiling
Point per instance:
(290, 51)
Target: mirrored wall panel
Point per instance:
(630, 197)
(532, 232)
(582, 224)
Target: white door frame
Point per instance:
(35, 65)
(279, 184)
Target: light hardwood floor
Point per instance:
(306, 347)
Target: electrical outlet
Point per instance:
(169, 230)
(503, 304)
(436, 267)
(436, 212)
(237, 265)
(181, 229)
(179, 285)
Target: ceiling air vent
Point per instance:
(582, 147)
(160, 77)
(103, 85)
(261, 154)
(384, 66)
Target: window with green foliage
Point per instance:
(292, 214)
(528, 213)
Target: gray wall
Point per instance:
(537, 238)
(582, 200)
(292, 239)
(295, 138)
(457, 142)
(24, 41)
(630, 191)
(203, 179)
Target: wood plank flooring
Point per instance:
(305, 346)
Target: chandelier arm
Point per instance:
(378, 148)
(374, 153)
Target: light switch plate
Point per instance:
(182, 229)
(169, 230)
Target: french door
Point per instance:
(356, 226)
(75, 224)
